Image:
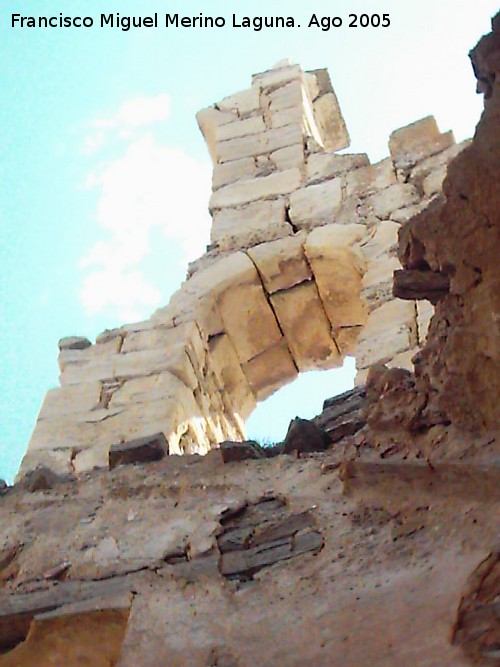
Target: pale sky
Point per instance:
(105, 178)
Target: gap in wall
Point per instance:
(303, 397)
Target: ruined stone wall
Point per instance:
(298, 275)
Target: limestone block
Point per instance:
(393, 198)
(403, 215)
(243, 192)
(259, 144)
(324, 166)
(166, 338)
(229, 172)
(425, 311)
(277, 77)
(271, 370)
(378, 280)
(289, 157)
(240, 228)
(369, 179)
(330, 122)
(434, 163)
(248, 320)
(315, 203)
(208, 121)
(403, 360)
(311, 83)
(70, 399)
(226, 366)
(417, 141)
(93, 457)
(390, 330)
(90, 355)
(62, 433)
(291, 95)
(241, 128)
(290, 116)
(281, 264)
(433, 183)
(57, 460)
(242, 103)
(338, 270)
(306, 328)
(381, 241)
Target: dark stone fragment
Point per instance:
(417, 284)
(343, 415)
(305, 436)
(74, 343)
(240, 451)
(140, 450)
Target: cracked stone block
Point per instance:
(140, 450)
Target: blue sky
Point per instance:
(99, 141)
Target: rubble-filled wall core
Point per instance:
(298, 275)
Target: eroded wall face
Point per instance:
(298, 275)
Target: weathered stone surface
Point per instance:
(304, 323)
(245, 191)
(259, 144)
(229, 172)
(281, 264)
(260, 221)
(330, 122)
(277, 77)
(41, 479)
(289, 157)
(74, 343)
(141, 450)
(338, 271)
(242, 103)
(240, 451)
(324, 166)
(417, 141)
(241, 128)
(270, 370)
(390, 329)
(305, 436)
(316, 203)
(371, 178)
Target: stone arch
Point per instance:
(298, 275)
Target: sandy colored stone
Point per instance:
(287, 96)
(244, 102)
(393, 198)
(306, 328)
(291, 116)
(289, 157)
(281, 264)
(376, 286)
(70, 399)
(226, 365)
(259, 144)
(209, 120)
(277, 77)
(389, 330)
(371, 178)
(330, 122)
(323, 166)
(425, 311)
(338, 271)
(244, 227)
(249, 320)
(315, 203)
(229, 172)
(381, 241)
(417, 141)
(245, 191)
(270, 370)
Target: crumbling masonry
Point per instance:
(298, 275)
